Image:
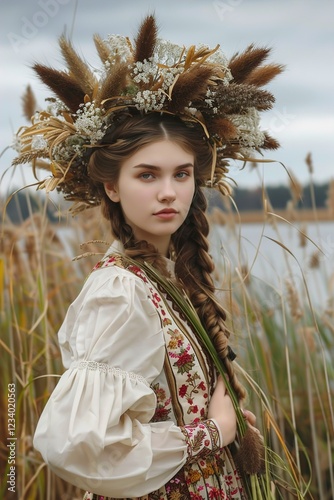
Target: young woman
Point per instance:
(140, 411)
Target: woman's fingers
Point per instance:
(249, 416)
(251, 421)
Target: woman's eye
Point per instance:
(182, 175)
(146, 176)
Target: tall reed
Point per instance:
(284, 340)
(284, 343)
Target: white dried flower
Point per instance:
(38, 142)
(144, 71)
(55, 107)
(90, 122)
(169, 75)
(148, 100)
(248, 125)
(218, 58)
(210, 100)
(167, 53)
(16, 144)
(119, 48)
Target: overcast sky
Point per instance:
(301, 33)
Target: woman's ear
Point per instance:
(111, 191)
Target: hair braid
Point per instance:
(193, 267)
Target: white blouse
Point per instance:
(94, 431)
(101, 429)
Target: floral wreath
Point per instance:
(198, 84)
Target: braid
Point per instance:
(194, 267)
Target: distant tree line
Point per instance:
(23, 204)
(279, 197)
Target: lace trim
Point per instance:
(105, 368)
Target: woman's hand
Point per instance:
(222, 411)
(251, 421)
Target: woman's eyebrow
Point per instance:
(154, 167)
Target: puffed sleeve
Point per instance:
(95, 430)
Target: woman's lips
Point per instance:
(167, 213)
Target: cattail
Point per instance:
(296, 189)
(77, 67)
(253, 165)
(309, 334)
(293, 301)
(29, 103)
(270, 142)
(244, 271)
(264, 74)
(303, 237)
(329, 310)
(242, 65)
(146, 39)
(330, 197)
(314, 260)
(102, 48)
(250, 456)
(309, 163)
(223, 127)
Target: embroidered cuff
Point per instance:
(202, 438)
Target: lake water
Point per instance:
(258, 248)
(308, 263)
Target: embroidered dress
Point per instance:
(128, 418)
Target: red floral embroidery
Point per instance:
(201, 386)
(217, 493)
(138, 272)
(155, 298)
(228, 480)
(163, 408)
(108, 260)
(183, 390)
(185, 361)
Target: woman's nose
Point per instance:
(167, 191)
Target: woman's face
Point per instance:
(155, 188)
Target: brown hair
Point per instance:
(193, 264)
